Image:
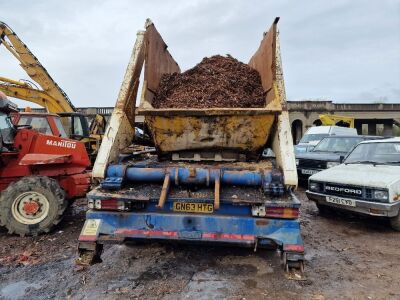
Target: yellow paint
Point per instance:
(193, 207)
(331, 120)
(91, 227)
(240, 132)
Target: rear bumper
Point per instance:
(239, 230)
(362, 207)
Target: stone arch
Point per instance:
(297, 130)
(317, 122)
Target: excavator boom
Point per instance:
(25, 91)
(50, 96)
(58, 100)
(332, 120)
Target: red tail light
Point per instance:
(282, 212)
(293, 247)
(109, 204)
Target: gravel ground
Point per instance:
(347, 258)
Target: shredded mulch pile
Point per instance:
(217, 81)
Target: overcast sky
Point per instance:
(346, 51)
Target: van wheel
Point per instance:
(32, 205)
(395, 222)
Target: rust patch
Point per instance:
(262, 222)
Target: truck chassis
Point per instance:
(192, 205)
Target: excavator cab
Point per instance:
(75, 125)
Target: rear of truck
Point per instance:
(207, 181)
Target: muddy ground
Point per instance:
(347, 258)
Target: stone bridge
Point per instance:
(371, 118)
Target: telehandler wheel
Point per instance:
(32, 205)
(395, 222)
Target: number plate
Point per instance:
(341, 201)
(309, 172)
(192, 207)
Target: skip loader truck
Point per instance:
(208, 181)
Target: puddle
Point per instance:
(16, 290)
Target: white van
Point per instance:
(315, 134)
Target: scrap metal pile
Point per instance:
(217, 81)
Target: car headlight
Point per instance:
(297, 161)
(331, 164)
(381, 195)
(313, 186)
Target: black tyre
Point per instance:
(395, 222)
(32, 205)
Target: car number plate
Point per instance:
(309, 172)
(341, 201)
(193, 207)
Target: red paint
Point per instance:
(31, 207)
(174, 234)
(228, 236)
(42, 159)
(63, 159)
(146, 232)
(293, 247)
(87, 238)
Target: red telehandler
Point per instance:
(39, 174)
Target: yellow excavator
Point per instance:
(334, 120)
(49, 94)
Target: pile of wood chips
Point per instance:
(217, 81)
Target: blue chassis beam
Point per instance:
(239, 230)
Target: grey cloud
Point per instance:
(340, 50)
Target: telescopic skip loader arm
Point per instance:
(121, 127)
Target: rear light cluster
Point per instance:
(113, 204)
(282, 212)
(275, 212)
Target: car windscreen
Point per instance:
(313, 137)
(375, 153)
(337, 144)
